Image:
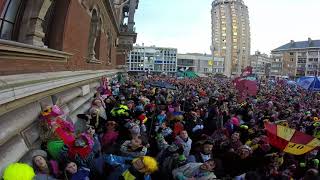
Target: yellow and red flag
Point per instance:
(290, 140)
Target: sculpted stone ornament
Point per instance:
(94, 33)
(109, 38)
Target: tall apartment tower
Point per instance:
(231, 34)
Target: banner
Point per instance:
(290, 140)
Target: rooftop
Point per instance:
(137, 46)
(299, 45)
(217, 2)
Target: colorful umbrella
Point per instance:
(290, 140)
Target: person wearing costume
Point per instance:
(125, 168)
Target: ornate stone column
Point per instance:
(31, 28)
(132, 10)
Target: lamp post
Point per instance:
(212, 49)
(238, 69)
(257, 64)
(185, 85)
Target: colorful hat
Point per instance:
(122, 110)
(28, 158)
(54, 148)
(142, 118)
(245, 147)
(235, 121)
(84, 140)
(38, 152)
(161, 118)
(316, 124)
(244, 127)
(52, 111)
(179, 118)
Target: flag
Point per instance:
(290, 140)
(246, 72)
(246, 84)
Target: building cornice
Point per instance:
(20, 86)
(295, 49)
(110, 9)
(20, 51)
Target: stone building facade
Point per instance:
(56, 49)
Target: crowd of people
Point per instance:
(192, 129)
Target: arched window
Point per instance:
(47, 22)
(10, 19)
(43, 23)
(54, 23)
(97, 43)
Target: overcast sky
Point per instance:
(186, 24)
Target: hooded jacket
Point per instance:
(192, 170)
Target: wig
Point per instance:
(150, 164)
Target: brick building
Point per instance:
(56, 49)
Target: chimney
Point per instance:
(291, 42)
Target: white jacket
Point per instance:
(186, 145)
(192, 170)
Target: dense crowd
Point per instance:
(168, 128)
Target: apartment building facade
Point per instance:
(152, 59)
(201, 63)
(261, 64)
(297, 59)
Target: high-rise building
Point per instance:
(152, 59)
(231, 34)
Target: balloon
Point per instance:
(18, 171)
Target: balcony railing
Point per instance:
(125, 28)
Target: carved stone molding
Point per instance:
(16, 90)
(19, 51)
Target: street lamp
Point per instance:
(212, 49)
(239, 69)
(185, 84)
